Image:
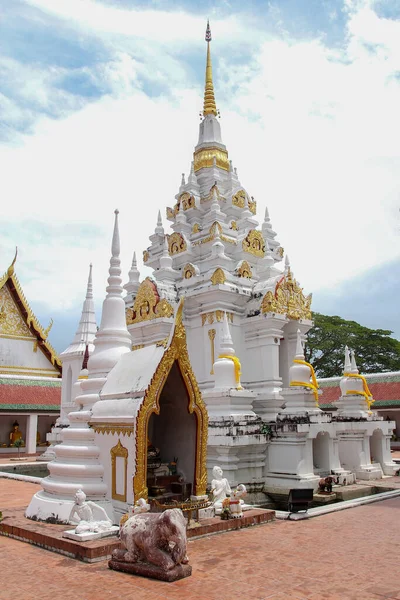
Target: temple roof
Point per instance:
(384, 387)
(29, 393)
(30, 324)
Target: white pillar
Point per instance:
(31, 433)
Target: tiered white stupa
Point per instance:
(218, 379)
(77, 464)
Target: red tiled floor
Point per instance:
(348, 555)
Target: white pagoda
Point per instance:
(202, 364)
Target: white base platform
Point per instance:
(90, 535)
(43, 507)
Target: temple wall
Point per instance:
(20, 353)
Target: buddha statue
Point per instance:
(15, 434)
(220, 488)
(38, 442)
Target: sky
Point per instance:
(99, 109)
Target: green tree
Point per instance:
(375, 350)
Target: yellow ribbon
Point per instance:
(237, 366)
(366, 393)
(312, 386)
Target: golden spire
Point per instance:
(210, 107)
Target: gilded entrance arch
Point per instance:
(177, 351)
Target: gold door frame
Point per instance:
(177, 351)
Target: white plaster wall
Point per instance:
(321, 451)
(19, 353)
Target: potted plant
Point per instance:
(18, 444)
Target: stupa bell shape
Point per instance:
(227, 365)
(353, 402)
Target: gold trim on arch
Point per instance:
(177, 351)
(119, 451)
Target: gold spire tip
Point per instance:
(209, 108)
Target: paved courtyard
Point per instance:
(352, 554)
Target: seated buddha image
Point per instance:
(144, 309)
(38, 440)
(15, 434)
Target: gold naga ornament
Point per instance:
(214, 188)
(254, 243)
(147, 304)
(288, 299)
(175, 352)
(176, 243)
(252, 205)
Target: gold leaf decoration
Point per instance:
(254, 243)
(145, 256)
(205, 158)
(11, 320)
(288, 299)
(252, 206)
(189, 271)
(170, 213)
(118, 451)
(164, 309)
(145, 302)
(196, 228)
(176, 243)
(187, 201)
(218, 277)
(244, 270)
(239, 199)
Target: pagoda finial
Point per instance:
(209, 107)
(299, 347)
(10, 270)
(159, 229)
(347, 364)
(115, 246)
(354, 368)
(89, 290)
(287, 264)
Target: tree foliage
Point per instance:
(375, 350)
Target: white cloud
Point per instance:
(313, 131)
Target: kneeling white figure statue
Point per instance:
(86, 513)
(236, 502)
(220, 489)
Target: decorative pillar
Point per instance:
(31, 433)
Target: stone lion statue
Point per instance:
(155, 538)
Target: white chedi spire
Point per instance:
(287, 264)
(225, 340)
(266, 227)
(134, 275)
(180, 217)
(77, 464)
(299, 373)
(354, 368)
(159, 230)
(112, 339)
(166, 261)
(227, 366)
(347, 364)
(87, 327)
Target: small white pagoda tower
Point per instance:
(77, 464)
